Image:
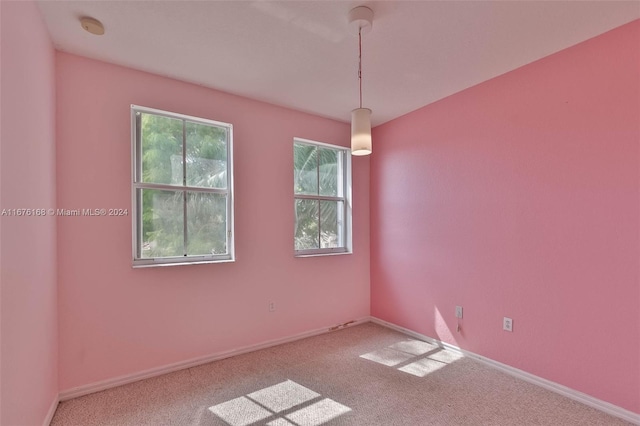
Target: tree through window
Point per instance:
(182, 189)
(322, 198)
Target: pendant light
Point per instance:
(362, 19)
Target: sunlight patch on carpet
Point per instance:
(414, 347)
(446, 356)
(387, 356)
(414, 357)
(240, 412)
(318, 413)
(283, 396)
(273, 405)
(280, 422)
(422, 367)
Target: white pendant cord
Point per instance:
(360, 62)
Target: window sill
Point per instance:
(161, 264)
(320, 254)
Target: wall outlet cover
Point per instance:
(507, 324)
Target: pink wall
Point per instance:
(115, 320)
(520, 197)
(29, 350)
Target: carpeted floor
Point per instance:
(363, 375)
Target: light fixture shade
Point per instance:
(361, 131)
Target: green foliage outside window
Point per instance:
(188, 156)
(318, 172)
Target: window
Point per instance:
(182, 189)
(322, 198)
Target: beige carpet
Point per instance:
(363, 375)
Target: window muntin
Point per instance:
(322, 205)
(182, 189)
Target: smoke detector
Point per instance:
(92, 26)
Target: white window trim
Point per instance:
(348, 242)
(136, 167)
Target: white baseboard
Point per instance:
(130, 378)
(52, 411)
(583, 398)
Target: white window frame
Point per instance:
(136, 179)
(346, 199)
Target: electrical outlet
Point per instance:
(458, 311)
(272, 306)
(507, 324)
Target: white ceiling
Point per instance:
(303, 54)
